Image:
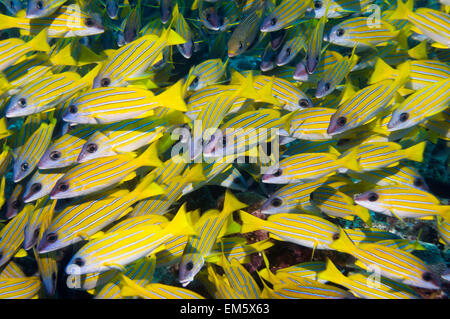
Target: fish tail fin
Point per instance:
(444, 211)
(180, 224)
(172, 98)
(402, 10)
(246, 89)
(331, 273)
(129, 288)
(403, 71)
(415, 152)
(195, 174)
(419, 52)
(266, 93)
(251, 223)
(39, 42)
(171, 37)
(350, 161)
(147, 188)
(364, 214)
(150, 156)
(231, 203)
(7, 22)
(382, 71)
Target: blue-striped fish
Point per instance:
(66, 21)
(44, 93)
(365, 287)
(64, 151)
(20, 288)
(284, 15)
(11, 235)
(314, 47)
(376, 155)
(183, 29)
(432, 23)
(401, 174)
(338, 70)
(37, 219)
(13, 49)
(363, 33)
(207, 232)
(301, 229)
(307, 270)
(402, 201)
(362, 106)
(104, 172)
(240, 279)
(292, 198)
(295, 42)
(121, 248)
(155, 291)
(208, 72)
(390, 262)
(112, 104)
(443, 228)
(336, 8)
(15, 203)
(31, 152)
(309, 124)
(12, 270)
(336, 203)
(311, 166)
(81, 220)
(47, 263)
(141, 272)
(130, 61)
(42, 8)
(123, 136)
(422, 73)
(421, 105)
(246, 33)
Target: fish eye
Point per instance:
(327, 86)
(73, 109)
(403, 117)
(24, 167)
(105, 82)
(189, 266)
(276, 202)
(51, 238)
(273, 21)
(36, 187)
(88, 22)
(303, 103)
(55, 155)
(317, 4)
(373, 197)
(336, 236)
(22, 102)
(278, 173)
(240, 45)
(39, 5)
(79, 262)
(427, 276)
(341, 121)
(91, 148)
(288, 51)
(418, 182)
(16, 204)
(63, 186)
(340, 32)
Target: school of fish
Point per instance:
(93, 93)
